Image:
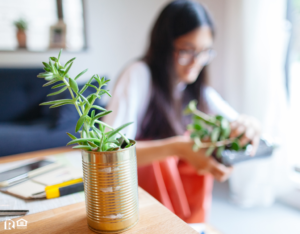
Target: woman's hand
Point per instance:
(249, 128)
(203, 164)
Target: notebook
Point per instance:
(37, 184)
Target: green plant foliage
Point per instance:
(91, 137)
(21, 24)
(211, 132)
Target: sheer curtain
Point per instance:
(256, 45)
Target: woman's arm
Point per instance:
(181, 146)
(155, 150)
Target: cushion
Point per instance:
(21, 93)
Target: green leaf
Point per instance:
(92, 86)
(98, 108)
(73, 85)
(219, 151)
(110, 145)
(96, 77)
(51, 82)
(103, 124)
(49, 78)
(54, 59)
(210, 150)
(71, 136)
(97, 131)
(83, 140)
(93, 114)
(84, 133)
(67, 101)
(45, 75)
(219, 117)
(80, 122)
(93, 144)
(102, 114)
(84, 147)
(67, 70)
(117, 130)
(113, 149)
(113, 141)
(197, 141)
(197, 126)
(83, 97)
(59, 55)
(102, 146)
(195, 148)
(120, 140)
(46, 65)
(225, 128)
(53, 68)
(193, 135)
(91, 98)
(92, 134)
(128, 145)
(192, 106)
(215, 134)
(235, 146)
(58, 92)
(108, 93)
(85, 86)
(58, 85)
(47, 69)
(104, 81)
(60, 104)
(80, 74)
(70, 61)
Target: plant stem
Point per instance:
(205, 117)
(72, 95)
(217, 144)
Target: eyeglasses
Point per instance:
(204, 57)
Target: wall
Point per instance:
(117, 33)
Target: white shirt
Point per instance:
(131, 97)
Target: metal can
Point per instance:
(111, 190)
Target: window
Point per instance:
(294, 69)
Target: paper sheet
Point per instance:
(35, 206)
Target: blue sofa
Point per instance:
(24, 125)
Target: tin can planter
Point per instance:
(111, 189)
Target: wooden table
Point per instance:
(71, 219)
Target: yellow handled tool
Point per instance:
(58, 190)
(53, 191)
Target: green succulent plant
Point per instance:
(92, 138)
(211, 132)
(21, 24)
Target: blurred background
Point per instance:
(257, 71)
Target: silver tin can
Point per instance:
(111, 190)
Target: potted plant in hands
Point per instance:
(108, 157)
(21, 33)
(211, 132)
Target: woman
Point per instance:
(152, 93)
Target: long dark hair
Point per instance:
(163, 117)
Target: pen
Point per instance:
(29, 174)
(61, 189)
(13, 212)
